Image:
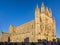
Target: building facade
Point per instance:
(42, 27)
(4, 37)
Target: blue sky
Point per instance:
(17, 12)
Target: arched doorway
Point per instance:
(8, 39)
(26, 39)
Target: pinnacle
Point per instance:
(37, 6)
(42, 4)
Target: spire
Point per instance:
(37, 10)
(37, 7)
(47, 12)
(50, 11)
(42, 4)
(47, 9)
(42, 7)
(11, 28)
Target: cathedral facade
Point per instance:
(42, 27)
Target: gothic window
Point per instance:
(40, 19)
(32, 26)
(42, 26)
(47, 27)
(39, 33)
(46, 34)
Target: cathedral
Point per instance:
(42, 27)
